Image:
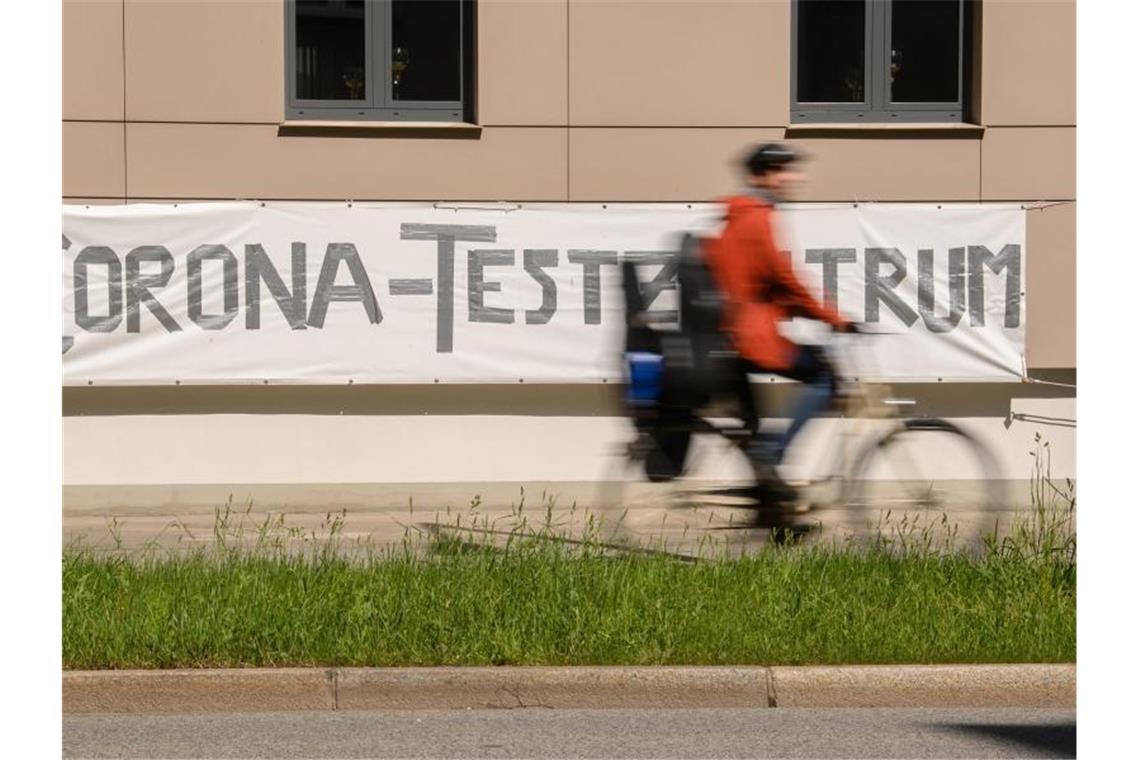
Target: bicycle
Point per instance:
(880, 462)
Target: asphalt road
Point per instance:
(542, 733)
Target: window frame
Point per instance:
(876, 109)
(378, 104)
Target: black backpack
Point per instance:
(692, 356)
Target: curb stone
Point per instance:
(926, 686)
(598, 687)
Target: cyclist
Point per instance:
(761, 290)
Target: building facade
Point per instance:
(578, 101)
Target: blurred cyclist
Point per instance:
(761, 290)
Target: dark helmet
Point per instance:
(769, 156)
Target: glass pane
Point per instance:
(330, 50)
(426, 50)
(924, 51)
(830, 51)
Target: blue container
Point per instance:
(646, 371)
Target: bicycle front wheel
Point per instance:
(926, 465)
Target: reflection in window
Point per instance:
(831, 51)
(881, 60)
(330, 50)
(380, 59)
(426, 50)
(924, 51)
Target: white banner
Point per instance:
(335, 292)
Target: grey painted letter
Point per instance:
(445, 236)
(878, 289)
(326, 291)
(926, 290)
(139, 286)
(194, 286)
(534, 260)
(477, 286)
(1008, 260)
(665, 279)
(831, 258)
(98, 255)
(591, 262)
(258, 269)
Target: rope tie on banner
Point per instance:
(1035, 381)
(1047, 204)
(1025, 378)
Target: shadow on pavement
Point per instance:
(1046, 740)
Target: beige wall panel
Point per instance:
(699, 164)
(1029, 164)
(658, 164)
(205, 60)
(1029, 62)
(1051, 287)
(679, 62)
(250, 161)
(93, 159)
(74, 201)
(522, 62)
(891, 170)
(93, 59)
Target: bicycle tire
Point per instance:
(884, 479)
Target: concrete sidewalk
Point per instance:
(462, 688)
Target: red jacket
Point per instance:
(760, 287)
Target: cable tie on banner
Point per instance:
(503, 206)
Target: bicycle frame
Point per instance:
(873, 404)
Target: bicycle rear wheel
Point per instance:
(927, 465)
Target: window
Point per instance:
(879, 60)
(379, 60)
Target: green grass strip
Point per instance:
(540, 603)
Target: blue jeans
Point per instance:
(810, 367)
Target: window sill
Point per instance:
(895, 129)
(329, 128)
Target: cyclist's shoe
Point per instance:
(764, 454)
(772, 491)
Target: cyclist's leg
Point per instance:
(741, 389)
(811, 368)
(766, 449)
(763, 447)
